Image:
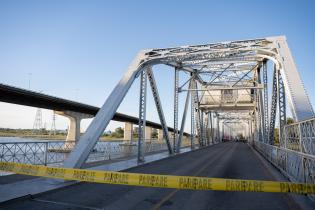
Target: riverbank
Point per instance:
(47, 136)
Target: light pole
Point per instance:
(29, 80)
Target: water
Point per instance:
(19, 139)
(54, 152)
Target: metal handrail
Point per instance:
(56, 151)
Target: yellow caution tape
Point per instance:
(161, 181)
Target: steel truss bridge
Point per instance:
(227, 95)
(227, 91)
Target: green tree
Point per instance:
(154, 134)
(118, 133)
(276, 133)
(135, 132)
(289, 121)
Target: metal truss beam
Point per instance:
(207, 129)
(218, 129)
(282, 108)
(176, 85)
(197, 111)
(226, 88)
(87, 142)
(142, 114)
(181, 132)
(262, 134)
(192, 123)
(211, 127)
(300, 104)
(228, 61)
(265, 102)
(202, 129)
(159, 108)
(220, 74)
(273, 110)
(258, 104)
(254, 68)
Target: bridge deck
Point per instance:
(226, 160)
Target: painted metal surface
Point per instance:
(228, 76)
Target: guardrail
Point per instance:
(300, 136)
(55, 152)
(296, 155)
(297, 166)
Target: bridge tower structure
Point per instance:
(53, 124)
(227, 91)
(38, 122)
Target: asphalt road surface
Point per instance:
(226, 160)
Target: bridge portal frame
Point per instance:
(236, 55)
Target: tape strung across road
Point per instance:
(161, 181)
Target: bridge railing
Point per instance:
(296, 155)
(301, 136)
(55, 152)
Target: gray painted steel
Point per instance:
(235, 77)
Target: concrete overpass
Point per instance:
(73, 110)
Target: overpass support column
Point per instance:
(172, 135)
(160, 135)
(74, 127)
(128, 131)
(148, 133)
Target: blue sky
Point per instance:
(80, 49)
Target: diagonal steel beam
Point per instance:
(179, 141)
(245, 75)
(87, 142)
(158, 105)
(219, 74)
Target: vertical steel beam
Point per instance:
(252, 129)
(211, 127)
(223, 130)
(192, 122)
(265, 102)
(208, 128)
(282, 108)
(179, 141)
(273, 110)
(201, 129)
(176, 85)
(261, 109)
(142, 114)
(197, 110)
(159, 108)
(218, 128)
(205, 125)
(256, 111)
